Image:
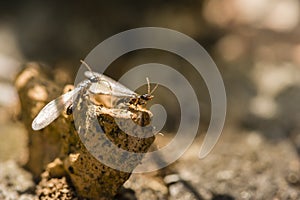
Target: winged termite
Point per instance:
(96, 84)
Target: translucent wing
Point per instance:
(101, 87)
(53, 109)
(109, 86)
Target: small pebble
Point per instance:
(172, 178)
(293, 178)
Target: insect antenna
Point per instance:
(149, 89)
(148, 84)
(88, 67)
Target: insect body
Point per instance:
(96, 84)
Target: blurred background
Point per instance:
(255, 45)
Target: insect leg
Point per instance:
(69, 110)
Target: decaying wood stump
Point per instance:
(58, 149)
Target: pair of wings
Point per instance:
(108, 86)
(104, 85)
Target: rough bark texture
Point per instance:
(58, 149)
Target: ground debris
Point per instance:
(15, 182)
(54, 188)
